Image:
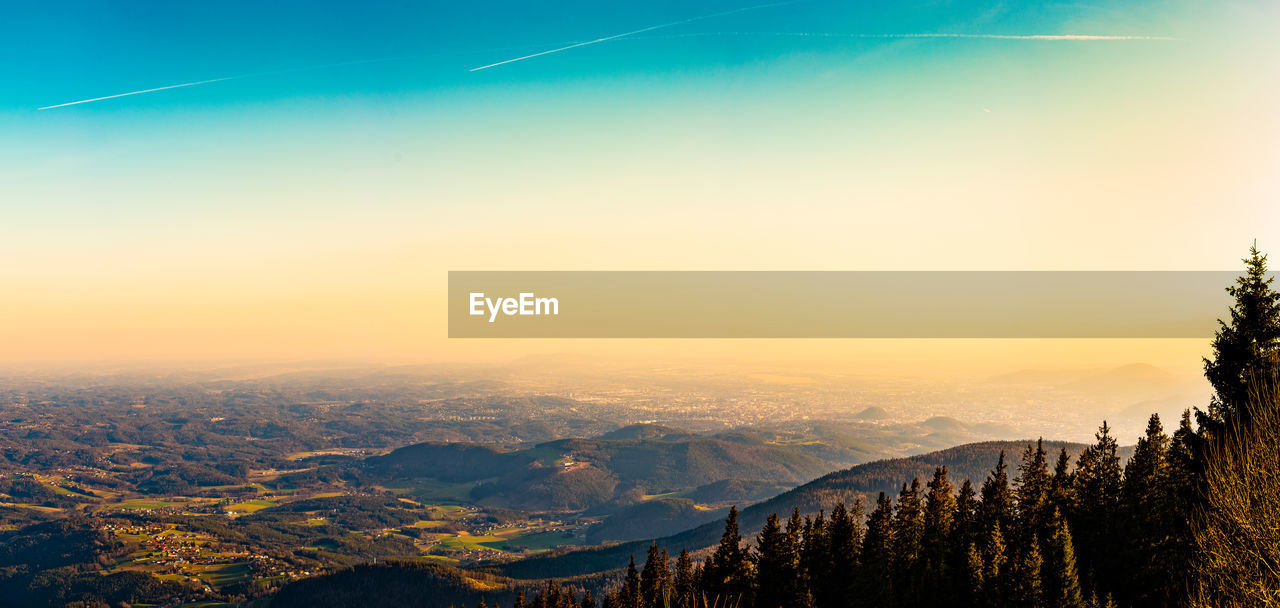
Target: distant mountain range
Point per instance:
(580, 474)
(619, 468)
(1131, 381)
(408, 583)
(862, 482)
(596, 566)
(1124, 395)
(874, 412)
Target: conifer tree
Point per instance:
(1098, 536)
(1246, 353)
(1061, 579)
(875, 577)
(1145, 470)
(795, 543)
(966, 515)
(814, 551)
(727, 574)
(997, 501)
(697, 581)
(1098, 484)
(685, 583)
(995, 559)
(1182, 481)
(1245, 347)
(775, 568)
(975, 569)
(629, 594)
(908, 537)
(552, 595)
(655, 579)
(844, 541)
(778, 577)
(1148, 517)
(667, 589)
(939, 523)
(1031, 490)
(1061, 486)
(965, 554)
(1025, 587)
(1181, 456)
(588, 600)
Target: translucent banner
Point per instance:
(924, 304)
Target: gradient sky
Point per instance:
(311, 204)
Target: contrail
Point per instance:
(632, 33)
(1036, 37)
(226, 78)
(321, 67)
(172, 86)
(920, 35)
(256, 74)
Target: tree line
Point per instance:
(1005, 543)
(1192, 519)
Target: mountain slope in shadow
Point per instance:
(862, 482)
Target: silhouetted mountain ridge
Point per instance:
(970, 461)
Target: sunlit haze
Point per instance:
(314, 211)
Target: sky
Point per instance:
(308, 198)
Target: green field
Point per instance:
(541, 541)
(221, 575)
(472, 543)
(257, 487)
(509, 540)
(145, 503)
(434, 491)
(249, 506)
(57, 489)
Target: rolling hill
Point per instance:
(971, 461)
(406, 583)
(619, 468)
(578, 474)
(652, 518)
(874, 412)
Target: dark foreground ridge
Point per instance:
(864, 481)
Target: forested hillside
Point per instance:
(861, 482)
(418, 584)
(1188, 519)
(577, 474)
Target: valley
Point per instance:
(230, 486)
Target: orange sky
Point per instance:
(324, 225)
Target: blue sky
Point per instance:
(315, 208)
(78, 50)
